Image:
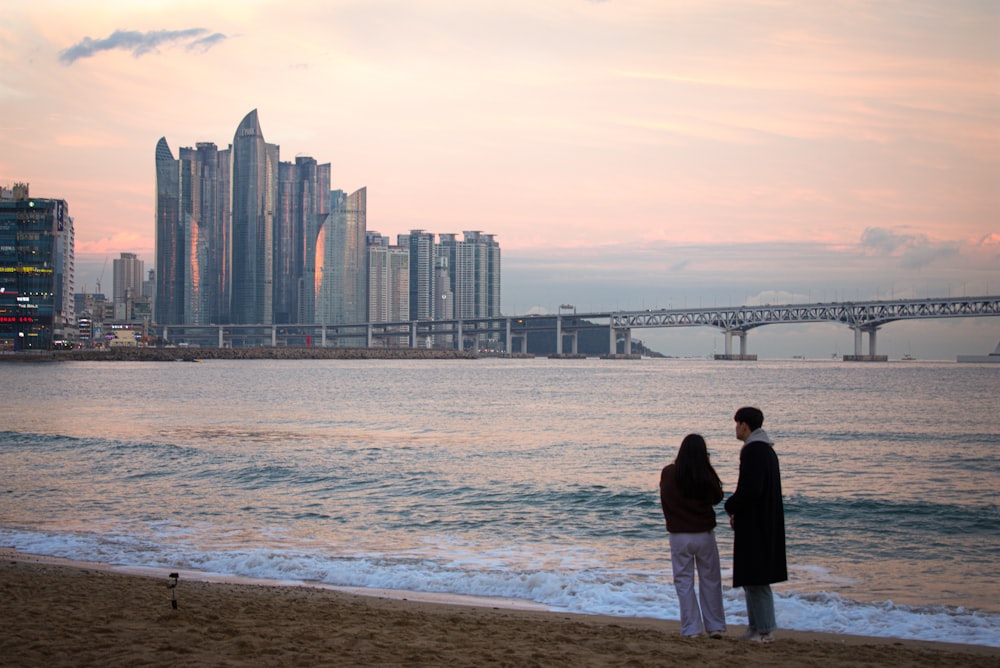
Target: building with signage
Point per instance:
(36, 271)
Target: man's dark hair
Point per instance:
(752, 416)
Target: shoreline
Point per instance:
(146, 354)
(63, 612)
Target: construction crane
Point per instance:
(101, 277)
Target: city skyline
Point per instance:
(639, 155)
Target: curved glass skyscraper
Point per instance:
(255, 194)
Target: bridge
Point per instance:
(864, 317)
(501, 333)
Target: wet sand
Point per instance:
(70, 614)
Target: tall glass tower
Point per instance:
(343, 283)
(170, 249)
(192, 235)
(255, 192)
(303, 202)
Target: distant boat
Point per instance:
(992, 357)
(908, 357)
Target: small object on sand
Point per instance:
(173, 590)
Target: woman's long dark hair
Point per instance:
(695, 475)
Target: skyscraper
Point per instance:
(474, 268)
(388, 281)
(206, 172)
(254, 199)
(474, 273)
(342, 296)
(37, 271)
(444, 300)
(192, 235)
(171, 255)
(127, 285)
(422, 270)
(303, 201)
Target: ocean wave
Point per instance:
(572, 580)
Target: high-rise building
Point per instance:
(444, 299)
(207, 206)
(192, 233)
(171, 255)
(422, 269)
(303, 202)
(127, 286)
(342, 296)
(474, 274)
(254, 200)
(388, 283)
(37, 271)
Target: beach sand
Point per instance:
(69, 614)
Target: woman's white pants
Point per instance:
(690, 552)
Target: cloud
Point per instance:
(918, 258)
(992, 239)
(205, 43)
(914, 251)
(882, 241)
(140, 43)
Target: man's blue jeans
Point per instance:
(760, 608)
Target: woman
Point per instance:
(689, 488)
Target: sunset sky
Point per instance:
(627, 154)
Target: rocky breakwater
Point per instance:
(133, 354)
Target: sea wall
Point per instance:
(135, 354)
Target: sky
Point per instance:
(628, 154)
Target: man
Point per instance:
(757, 516)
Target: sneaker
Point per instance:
(717, 635)
(748, 634)
(762, 637)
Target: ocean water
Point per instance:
(533, 480)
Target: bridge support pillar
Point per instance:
(742, 335)
(872, 355)
(322, 336)
(220, 336)
(459, 338)
(274, 335)
(872, 341)
(413, 333)
(368, 335)
(559, 346)
(626, 333)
